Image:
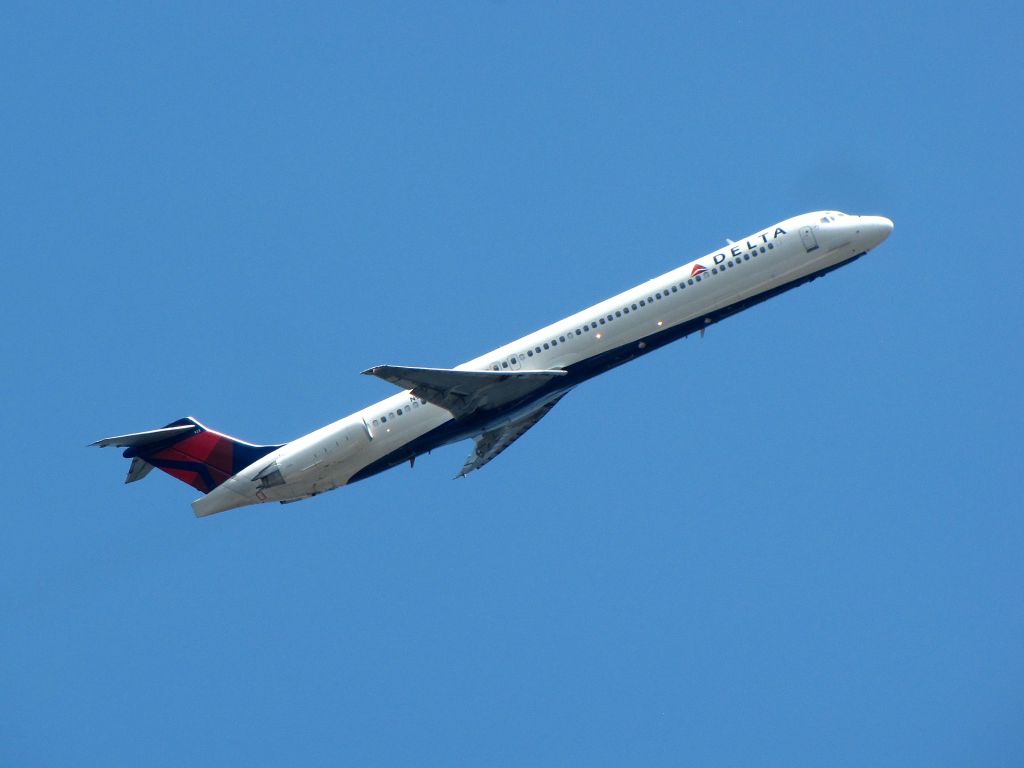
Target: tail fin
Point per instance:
(187, 450)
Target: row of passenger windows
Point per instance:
(595, 324)
(414, 402)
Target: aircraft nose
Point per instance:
(874, 229)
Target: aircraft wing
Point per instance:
(463, 392)
(489, 444)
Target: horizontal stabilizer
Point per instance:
(136, 439)
(138, 470)
(464, 392)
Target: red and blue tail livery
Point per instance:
(189, 451)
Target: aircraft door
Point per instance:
(809, 240)
(513, 362)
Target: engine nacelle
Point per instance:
(314, 455)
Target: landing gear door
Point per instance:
(808, 239)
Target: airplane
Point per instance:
(495, 398)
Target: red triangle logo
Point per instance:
(697, 269)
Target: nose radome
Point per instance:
(875, 228)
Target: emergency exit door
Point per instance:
(809, 240)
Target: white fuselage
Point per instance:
(585, 344)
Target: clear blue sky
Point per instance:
(796, 542)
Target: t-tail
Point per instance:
(187, 450)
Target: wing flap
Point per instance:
(464, 392)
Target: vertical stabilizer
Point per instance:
(187, 450)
